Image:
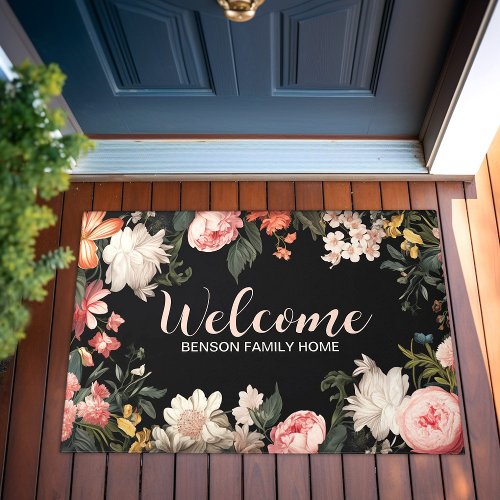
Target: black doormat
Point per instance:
(261, 332)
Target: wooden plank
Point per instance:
(54, 475)
(6, 389)
(486, 249)
(158, 470)
(89, 469)
(29, 392)
(280, 196)
(309, 195)
(259, 473)
(191, 476)
(224, 196)
(124, 471)
(293, 471)
(253, 195)
(225, 476)
(426, 477)
(395, 195)
(192, 470)
(393, 471)
(166, 195)
(225, 470)
(366, 196)
(337, 195)
(493, 159)
(195, 195)
(327, 470)
(472, 365)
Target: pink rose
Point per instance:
(302, 432)
(429, 421)
(210, 231)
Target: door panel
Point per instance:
(300, 67)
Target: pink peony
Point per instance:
(99, 390)
(429, 421)
(275, 221)
(301, 432)
(114, 322)
(210, 231)
(94, 411)
(444, 353)
(91, 304)
(86, 356)
(68, 419)
(104, 344)
(72, 385)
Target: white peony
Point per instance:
(250, 399)
(377, 398)
(134, 257)
(201, 421)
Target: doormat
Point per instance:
(261, 332)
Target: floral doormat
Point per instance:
(261, 332)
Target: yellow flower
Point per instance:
(126, 426)
(404, 246)
(412, 237)
(391, 228)
(143, 441)
(127, 411)
(414, 252)
(136, 418)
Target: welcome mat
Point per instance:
(261, 332)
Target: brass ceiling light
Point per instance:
(240, 11)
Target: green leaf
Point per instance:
(425, 294)
(442, 381)
(240, 254)
(268, 413)
(147, 407)
(334, 440)
(311, 220)
(395, 254)
(119, 373)
(97, 373)
(253, 234)
(182, 220)
(75, 364)
(81, 281)
(393, 266)
(152, 392)
(83, 441)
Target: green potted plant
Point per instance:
(35, 161)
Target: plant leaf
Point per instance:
(182, 220)
(253, 234)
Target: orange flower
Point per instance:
(276, 221)
(252, 216)
(93, 228)
(290, 238)
(282, 253)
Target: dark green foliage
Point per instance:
(34, 165)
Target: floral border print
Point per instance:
(412, 407)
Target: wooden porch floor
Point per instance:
(31, 394)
